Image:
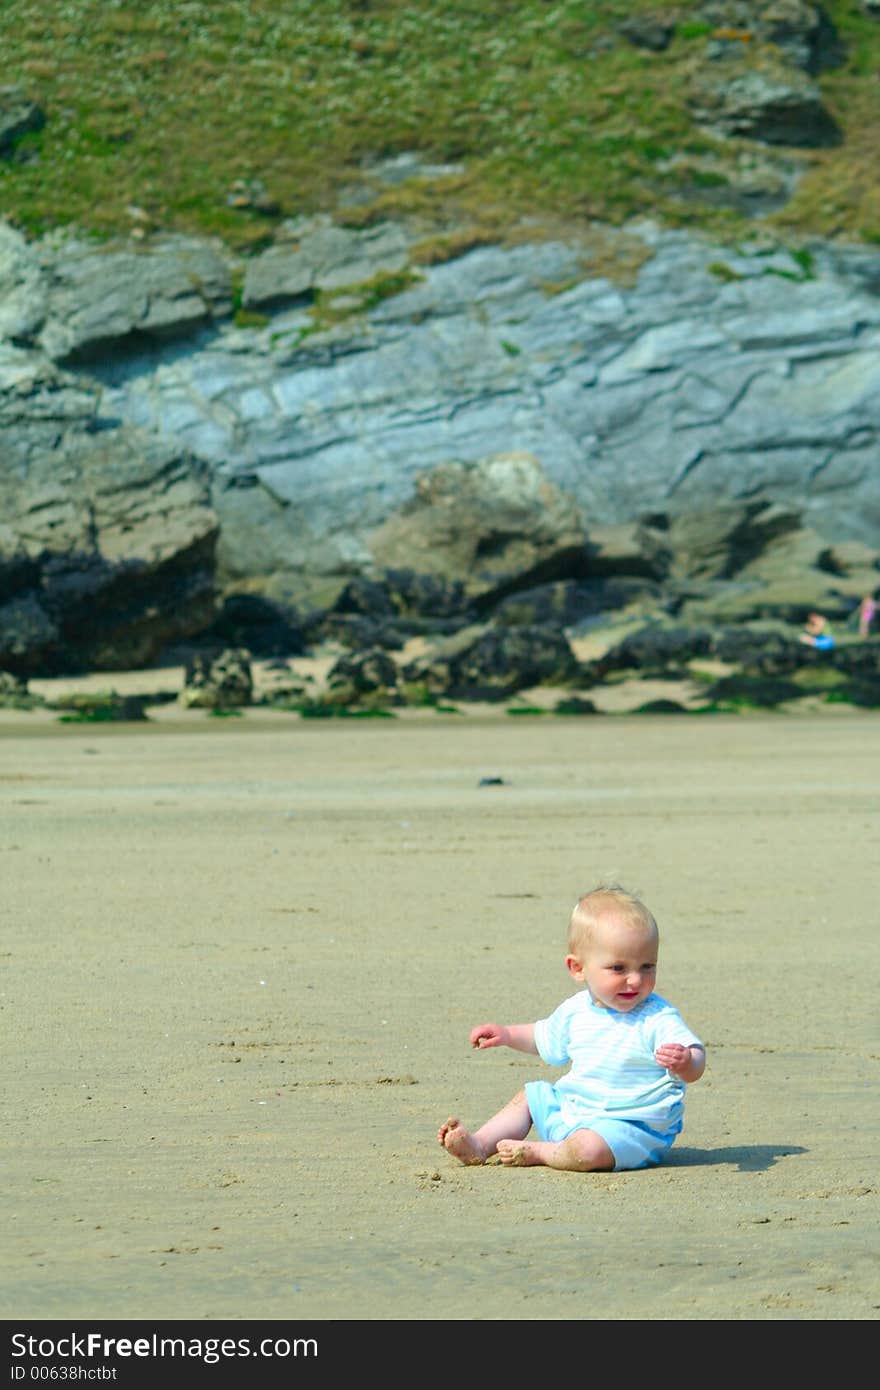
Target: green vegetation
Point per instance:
(94, 716)
(723, 271)
(338, 306)
(102, 707)
(317, 710)
(157, 111)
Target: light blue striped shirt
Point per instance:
(613, 1071)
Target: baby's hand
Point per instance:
(675, 1057)
(487, 1035)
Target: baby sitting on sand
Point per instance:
(621, 1104)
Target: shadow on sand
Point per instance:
(748, 1158)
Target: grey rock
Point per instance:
(673, 428)
(634, 548)
(314, 254)
(683, 389)
(720, 543)
(107, 545)
(23, 289)
(801, 33)
(805, 33)
(102, 297)
(773, 103)
(648, 31)
(492, 524)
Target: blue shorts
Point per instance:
(634, 1145)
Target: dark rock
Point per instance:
(763, 691)
(113, 540)
(661, 706)
(568, 603)
(14, 693)
(29, 639)
(575, 704)
(765, 652)
(494, 663)
(357, 632)
(861, 660)
(114, 617)
(366, 614)
(219, 680)
(427, 596)
(369, 677)
(864, 694)
(256, 623)
(103, 707)
(655, 650)
(366, 597)
(385, 611)
(18, 570)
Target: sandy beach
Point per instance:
(240, 963)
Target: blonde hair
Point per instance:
(593, 906)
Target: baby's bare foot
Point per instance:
(517, 1153)
(460, 1143)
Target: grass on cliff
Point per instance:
(223, 116)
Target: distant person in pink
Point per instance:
(867, 614)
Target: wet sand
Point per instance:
(241, 959)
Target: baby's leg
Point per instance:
(584, 1151)
(513, 1123)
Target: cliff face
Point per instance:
(284, 447)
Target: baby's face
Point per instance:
(618, 964)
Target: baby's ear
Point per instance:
(574, 968)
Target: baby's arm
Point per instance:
(687, 1063)
(520, 1036)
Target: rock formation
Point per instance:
(693, 426)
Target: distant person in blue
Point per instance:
(621, 1103)
(817, 633)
